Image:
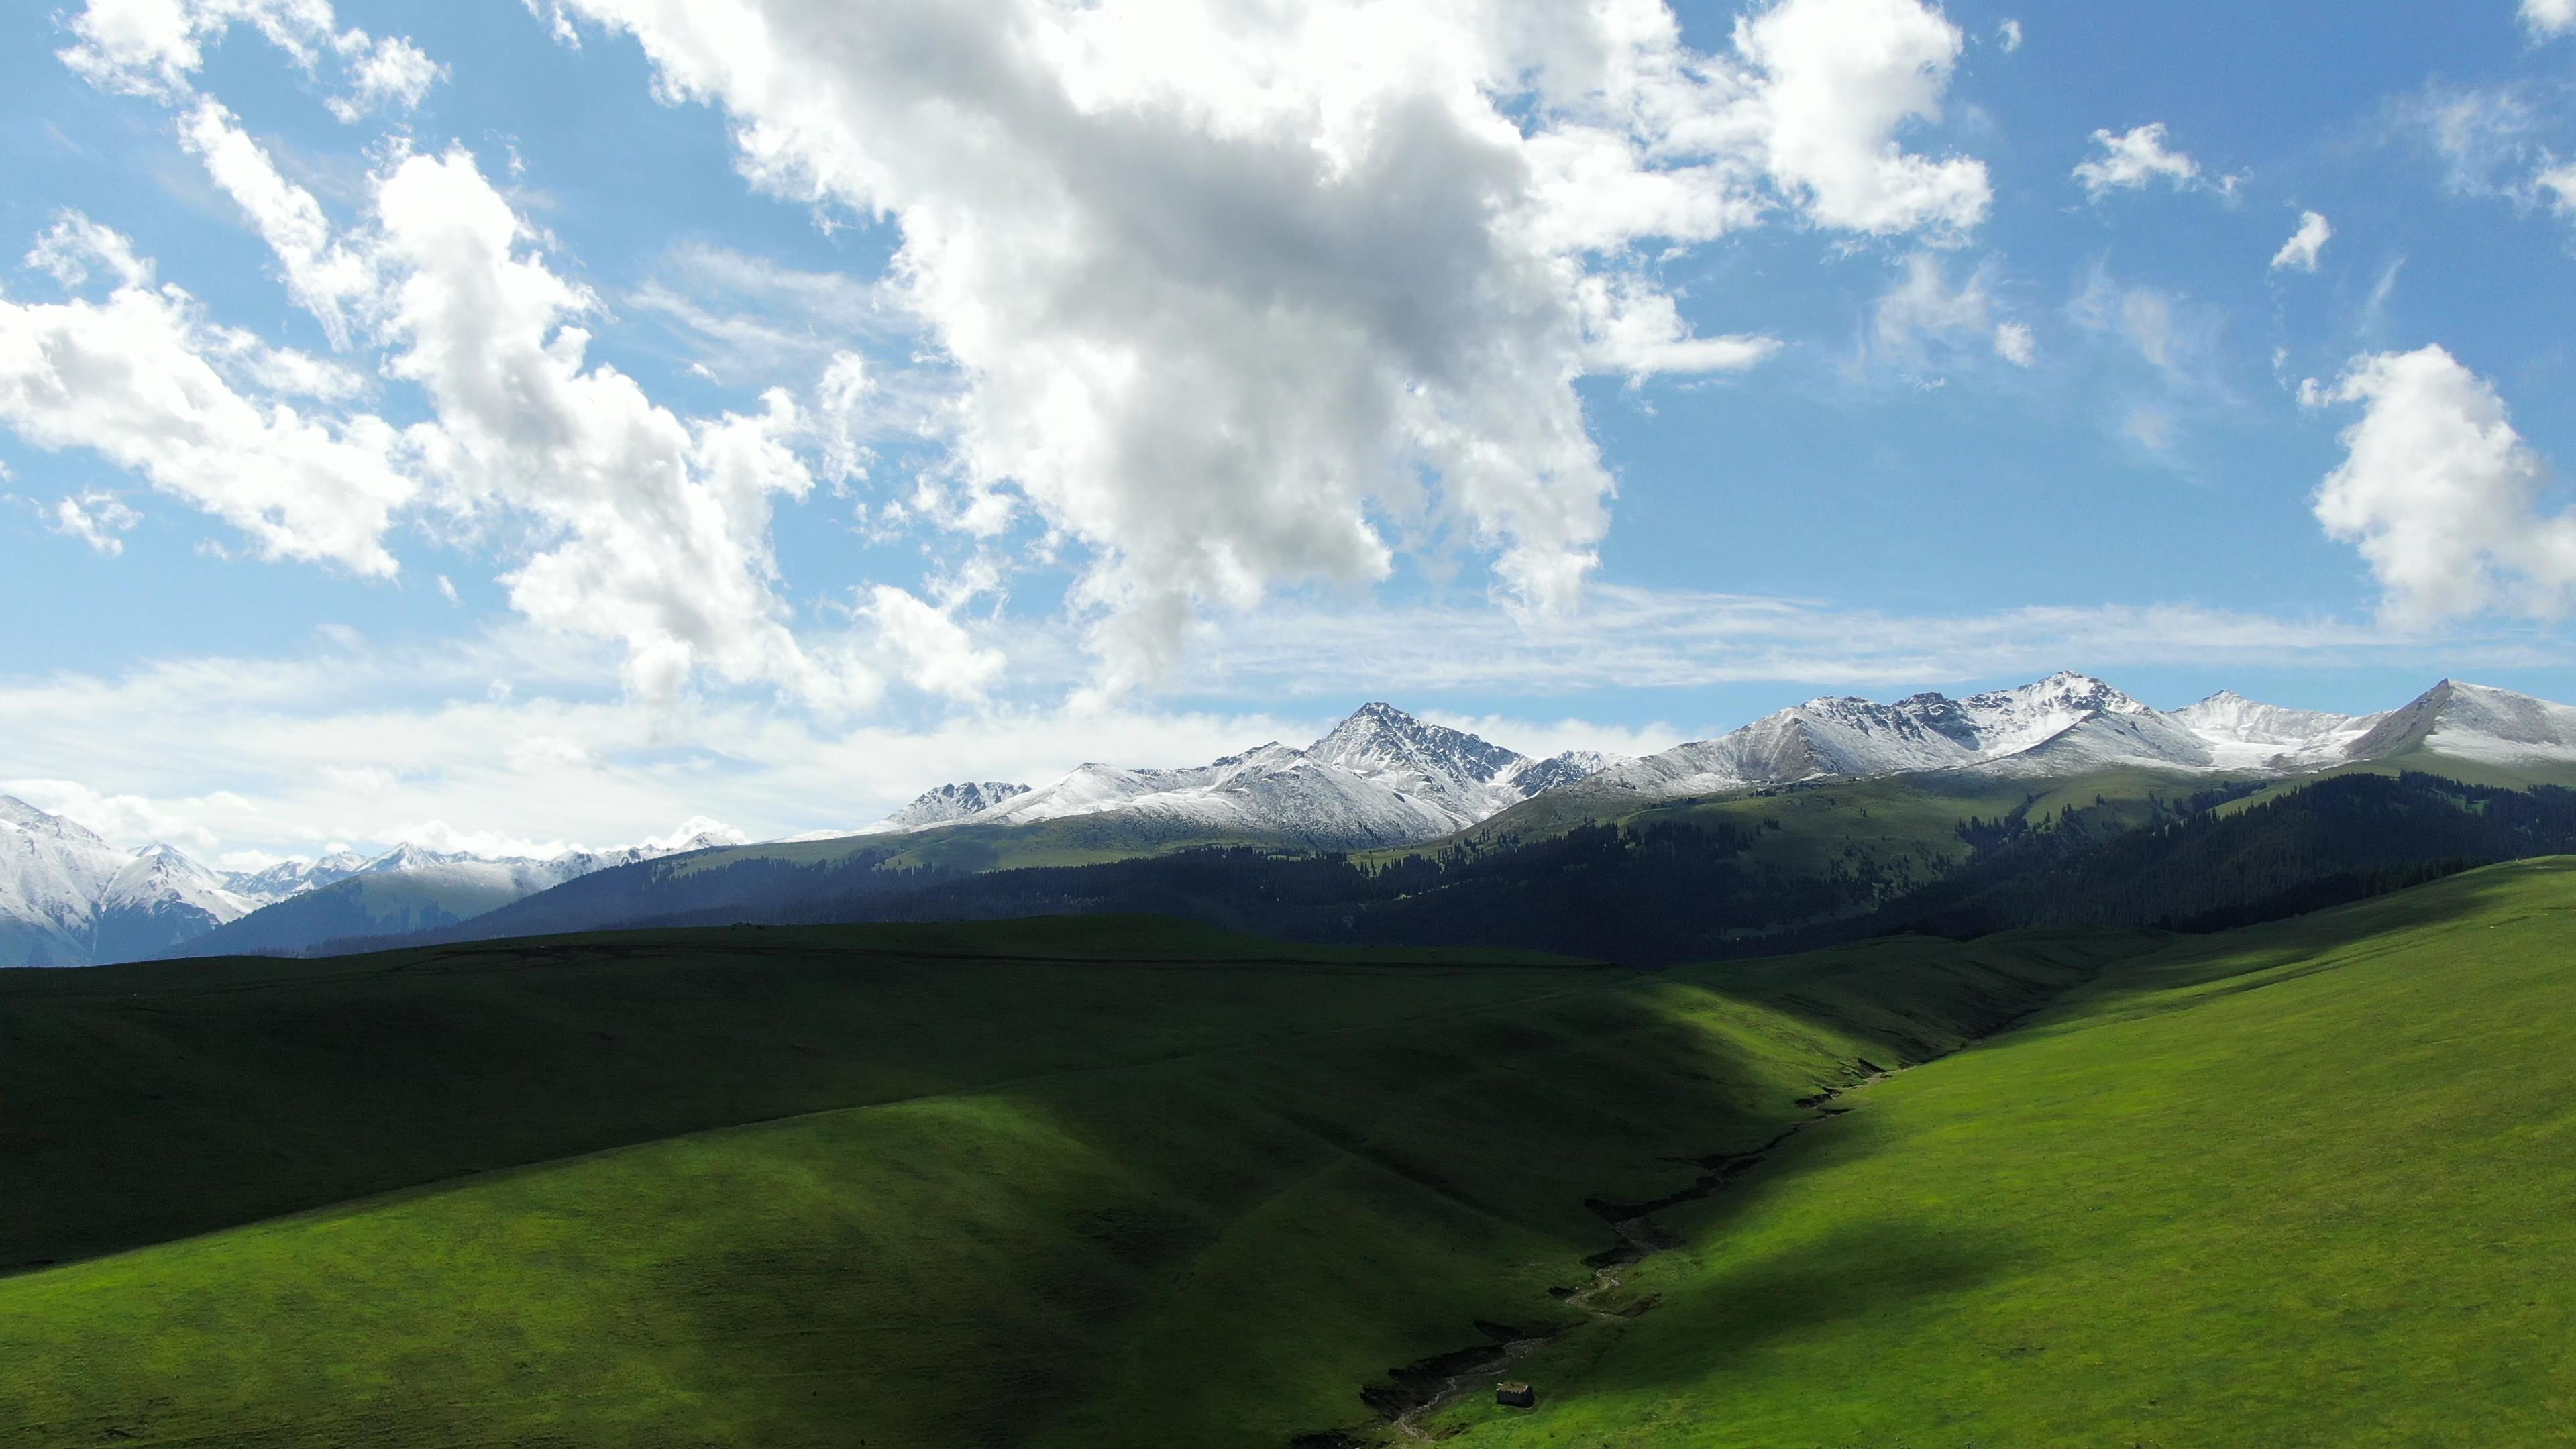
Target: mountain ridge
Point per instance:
(1380, 778)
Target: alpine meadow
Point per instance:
(1112, 724)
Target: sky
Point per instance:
(504, 425)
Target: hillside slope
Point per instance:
(1093, 1183)
(2301, 1185)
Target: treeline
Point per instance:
(1664, 891)
(1675, 891)
(2338, 840)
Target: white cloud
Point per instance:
(1639, 331)
(935, 652)
(2301, 251)
(2549, 17)
(1229, 289)
(2440, 494)
(95, 519)
(2560, 184)
(325, 276)
(2131, 159)
(388, 73)
(656, 528)
(140, 379)
(631, 522)
(1840, 79)
(2008, 35)
(74, 245)
(155, 48)
(132, 819)
(1924, 308)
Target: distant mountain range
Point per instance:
(2072, 724)
(1381, 778)
(68, 898)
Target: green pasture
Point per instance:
(1050, 1183)
(2306, 1184)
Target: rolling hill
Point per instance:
(1039, 1182)
(1116, 1180)
(2301, 1185)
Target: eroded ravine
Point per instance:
(1414, 1392)
(1419, 1390)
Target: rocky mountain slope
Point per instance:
(2069, 725)
(68, 898)
(1380, 777)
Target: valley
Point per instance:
(1076, 1181)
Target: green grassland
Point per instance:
(1047, 1183)
(2305, 1184)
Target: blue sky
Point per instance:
(1927, 410)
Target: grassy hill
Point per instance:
(2298, 1185)
(1059, 1183)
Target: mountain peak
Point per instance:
(954, 801)
(1380, 740)
(17, 812)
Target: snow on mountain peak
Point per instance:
(953, 802)
(23, 816)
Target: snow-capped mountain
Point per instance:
(1380, 777)
(1858, 737)
(412, 888)
(2071, 724)
(288, 877)
(950, 802)
(68, 898)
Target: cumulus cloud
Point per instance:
(629, 522)
(95, 519)
(936, 653)
(2549, 17)
(1229, 289)
(2008, 35)
(2131, 159)
(2301, 251)
(141, 379)
(1842, 77)
(2440, 494)
(387, 73)
(1922, 307)
(656, 528)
